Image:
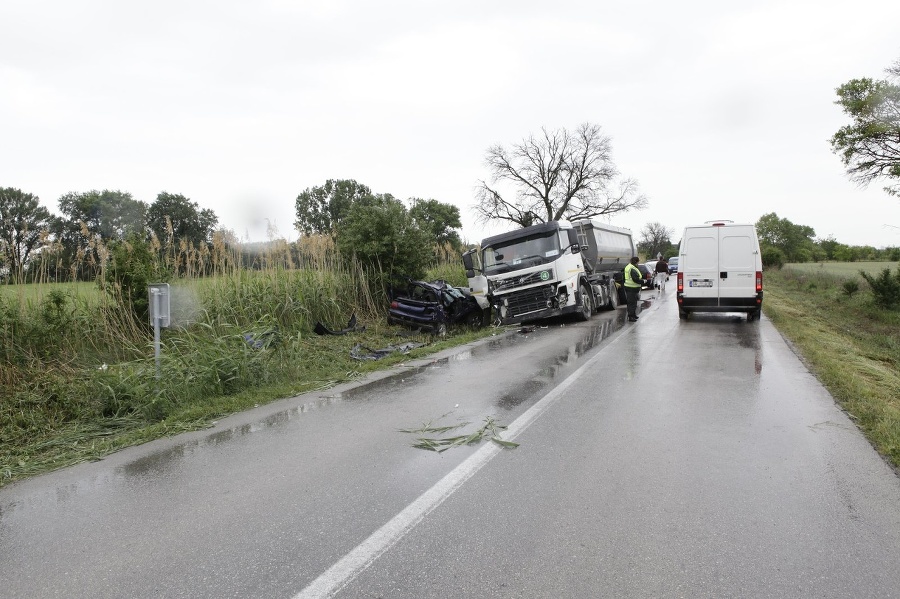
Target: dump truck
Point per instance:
(550, 269)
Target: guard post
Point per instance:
(159, 314)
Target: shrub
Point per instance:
(772, 257)
(386, 241)
(850, 287)
(132, 268)
(885, 288)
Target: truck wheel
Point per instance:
(587, 304)
(613, 301)
(682, 314)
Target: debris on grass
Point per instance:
(352, 327)
(360, 352)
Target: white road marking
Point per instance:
(351, 565)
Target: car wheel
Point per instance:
(440, 330)
(475, 320)
(587, 304)
(682, 314)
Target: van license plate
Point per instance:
(700, 283)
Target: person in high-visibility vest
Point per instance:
(633, 279)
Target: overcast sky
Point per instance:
(718, 109)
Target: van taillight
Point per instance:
(680, 282)
(758, 281)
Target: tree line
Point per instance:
(91, 223)
(558, 174)
(780, 241)
(97, 229)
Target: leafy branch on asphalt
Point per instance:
(491, 429)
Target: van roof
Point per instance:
(719, 223)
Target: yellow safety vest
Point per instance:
(629, 282)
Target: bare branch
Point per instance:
(557, 175)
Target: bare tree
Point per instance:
(558, 175)
(655, 238)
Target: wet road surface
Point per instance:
(661, 458)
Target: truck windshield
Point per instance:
(517, 254)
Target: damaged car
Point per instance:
(434, 306)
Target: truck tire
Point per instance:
(613, 302)
(587, 303)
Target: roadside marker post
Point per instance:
(159, 314)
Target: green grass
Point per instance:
(841, 269)
(851, 346)
(33, 293)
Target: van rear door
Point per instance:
(699, 264)
(738, 254)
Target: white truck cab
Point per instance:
(719, 270)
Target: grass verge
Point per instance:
(849, 344)
(330, 363)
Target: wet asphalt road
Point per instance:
(656, 459)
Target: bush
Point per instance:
(885, 288)
(772, 257)
(386, 241)
(851, 287)
(132, 268)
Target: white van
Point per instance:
(719, 270)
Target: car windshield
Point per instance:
(521, 253)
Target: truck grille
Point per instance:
(528, 300)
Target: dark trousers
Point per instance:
(632, 295)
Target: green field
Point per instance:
(841, 269)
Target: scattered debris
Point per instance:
(359, 351)
(490, 429)
(262, 340)
(352, 327)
